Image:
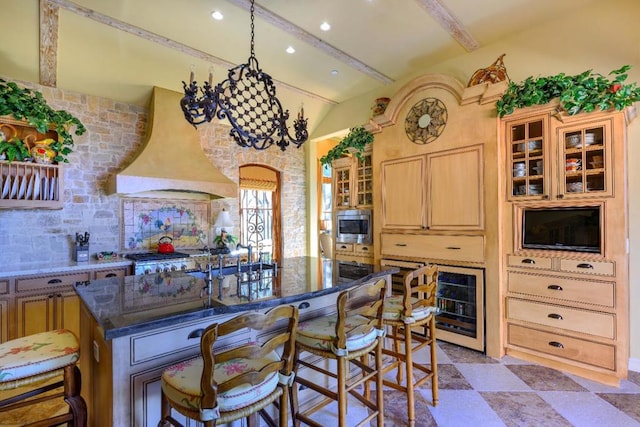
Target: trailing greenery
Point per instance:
(356, 140)
(586, 92)
(223, 240)
(14, 149)
(24, 103)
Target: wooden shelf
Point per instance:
(25, 185)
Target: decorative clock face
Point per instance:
(426, 121)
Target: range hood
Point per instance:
(172, 158)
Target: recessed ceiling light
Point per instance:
(217, 15)
(325, 26)
(290, 49)
(334, 72)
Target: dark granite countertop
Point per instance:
(133, 304)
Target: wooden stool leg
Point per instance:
(72, 387)
(165, 410)
(342, 391)
(379, 383)
(396, 347)
(434, 364)
(293, 395)
(408, 351)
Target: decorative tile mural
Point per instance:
(145, 221)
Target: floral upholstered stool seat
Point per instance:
(28, 362)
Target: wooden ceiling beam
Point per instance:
(450, 23)
(48, 44)
(308, 38)
(165, 41)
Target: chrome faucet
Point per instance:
(249, 248)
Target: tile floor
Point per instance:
(479, 391)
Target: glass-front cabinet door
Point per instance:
(584, 168)
(364, 181)
(342, 183)
(528, 155)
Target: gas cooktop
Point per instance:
(155, 256)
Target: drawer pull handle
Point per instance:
(52, 281)
(196, 333)
(304, 305)
(364, 249)
(584, 265)
(555, 287)
(456, 248)
(528, 261)
(401, 244)
(111, 275)
(554, 316)
(343, 247)
(556, 344)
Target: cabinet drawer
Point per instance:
(603, 268)
(457, 248)
(159, 343)
(585, 291)
(529, 262)
(318, 306)
(364, 250)
(4, 286)
(45, 282)
(116, 272)
(588, 352)
(572, 319)
(344, 247)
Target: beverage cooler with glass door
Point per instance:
(459, 299)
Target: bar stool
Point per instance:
(236, 383)
(416, 307)
(34, 359)
(348, 337)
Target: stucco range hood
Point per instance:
(172, 158)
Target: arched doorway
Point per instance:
(260, 209)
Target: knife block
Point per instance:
(81, 253)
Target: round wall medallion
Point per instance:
(426, 120)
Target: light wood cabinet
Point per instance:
(435, 191)
(37, 303)
(356, 252)
(353, 182)
(567, 308)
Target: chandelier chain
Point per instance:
(247, 99)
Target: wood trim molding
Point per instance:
(48, 44)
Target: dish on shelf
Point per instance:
(36, 186)
(537, 170)
(23, 187)
(596, 165)
(519, 172)
(6, 187)
(14, 187)
(45, 188)
(535, 188)
(574, 187)
(29, 189)
(573, 141)
(52, 189)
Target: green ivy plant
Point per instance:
(586, 92)
(30, 105)
(356, 141)
(14, 149)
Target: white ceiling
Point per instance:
(121, 48)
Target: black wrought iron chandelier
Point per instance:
(247, 98)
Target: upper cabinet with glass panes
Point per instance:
(353, 182)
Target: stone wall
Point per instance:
(114, 137)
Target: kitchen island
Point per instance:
(134, 327)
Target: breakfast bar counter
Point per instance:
(134, 327)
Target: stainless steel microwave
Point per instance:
(354, 226)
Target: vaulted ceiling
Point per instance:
(121, 48)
